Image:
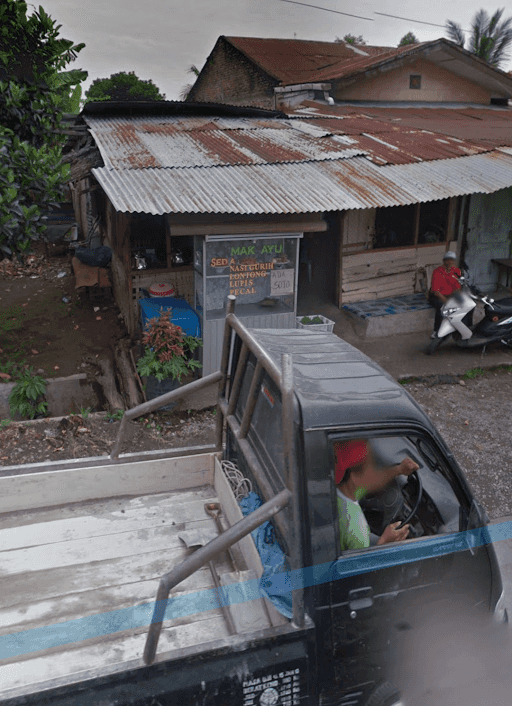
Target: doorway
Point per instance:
(317, 271)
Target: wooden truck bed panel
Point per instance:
(85, 559)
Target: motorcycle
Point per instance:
(495, 327)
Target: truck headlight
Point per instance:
(500, 610)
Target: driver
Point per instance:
(356, 475)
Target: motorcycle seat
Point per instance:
(502, 307)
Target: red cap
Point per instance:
(348, 454)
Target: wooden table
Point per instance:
(504, 265)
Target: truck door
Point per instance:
(384, 598)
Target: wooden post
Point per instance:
(168, 241)
(417, 223)
(450, 220)
(339, 269)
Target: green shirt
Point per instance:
(354, 529)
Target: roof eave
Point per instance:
(424, 50)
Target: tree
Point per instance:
(188, 87)
(34, 93)
(409, 38)
(123, 87)
(490, 37)
(350, 39)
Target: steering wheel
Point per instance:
(416, 481)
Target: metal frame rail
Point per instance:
(274, 503)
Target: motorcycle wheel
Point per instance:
(433, 345)
(385, 695)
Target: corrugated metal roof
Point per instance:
(169, 142)
(305, 187)
(296, 60)
(485, 125)
(393, 143)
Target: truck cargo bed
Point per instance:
(98, 561)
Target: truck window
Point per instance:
(265, 431)
(383, 480)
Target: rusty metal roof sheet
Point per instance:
(305, 187)
(392, 143)
(169, 142)
(485, 125)
(295, 60)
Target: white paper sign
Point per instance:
(281, 282)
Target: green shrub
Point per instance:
(27, 396)
(168, 350)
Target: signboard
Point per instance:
(281, 282)
(251, 269)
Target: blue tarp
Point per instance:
(182, 313)
(273, 583)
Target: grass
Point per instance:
(114, 416)
(473, 373)
(10, 319)
(12, 368)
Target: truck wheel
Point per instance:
(385, 695)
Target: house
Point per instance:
(274, 73)
(282, 210)
(423, 143)
(430, 92)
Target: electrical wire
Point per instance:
(360, 17)
(240, 485)
(408, 19)
(326, 9)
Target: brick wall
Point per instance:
(229, 77)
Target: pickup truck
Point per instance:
(216, 576)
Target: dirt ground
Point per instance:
(474, 416)
(38, 328)
(84, 436)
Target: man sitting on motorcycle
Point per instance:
(445, 280)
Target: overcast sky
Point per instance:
(161, 39)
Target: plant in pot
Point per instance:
(168, 356)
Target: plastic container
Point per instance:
(326, 326)
(155, 388)
(161, 289)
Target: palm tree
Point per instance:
(490, 36)
(186, 89)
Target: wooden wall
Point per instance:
(118, 239)
(365, 273)
(376, 274)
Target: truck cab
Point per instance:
(367, 604)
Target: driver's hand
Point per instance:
(407, 466)
(392, 534)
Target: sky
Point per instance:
(161, 39)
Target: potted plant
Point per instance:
(169, 356)
(315, 323)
